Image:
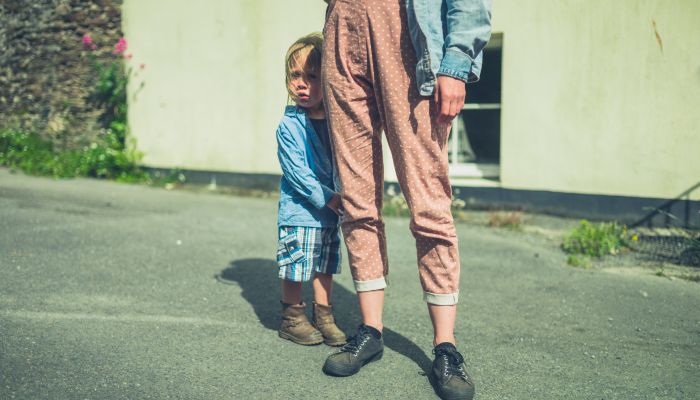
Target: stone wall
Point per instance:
(45, 74)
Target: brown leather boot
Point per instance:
(296, 327)
(323, 320)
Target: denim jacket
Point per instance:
(307, 182)
(448, 36)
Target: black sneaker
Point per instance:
(453, 383)
(360, 349)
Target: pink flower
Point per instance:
(128, 56)
(87, 41)
(120, 47)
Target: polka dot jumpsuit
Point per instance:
(369, 74)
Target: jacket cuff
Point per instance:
(320, 199)
(457, 65)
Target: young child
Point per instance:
(309, 242)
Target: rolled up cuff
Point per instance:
(367, 286)
(449, 299)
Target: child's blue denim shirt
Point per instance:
(307, 173)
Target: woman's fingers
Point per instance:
(449, 98)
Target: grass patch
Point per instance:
(395, 204)
(509, 220)
(111, 155)
(690, 277)
(105, 158)
(579, 261)
(677, 272)
(596, 240)
(691, 255)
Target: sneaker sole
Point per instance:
(347, 372)
(297, 341)
(466, 396)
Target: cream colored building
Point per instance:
(597, 98)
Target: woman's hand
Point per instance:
(449, 98)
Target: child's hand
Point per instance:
(335, 204)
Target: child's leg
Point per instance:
(295, 268)
(371, 303)
(328, 263)
(294, 265)
(295, 326)
(323, 287)
(323, 318)
(291, 292)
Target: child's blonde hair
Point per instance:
(306, 50)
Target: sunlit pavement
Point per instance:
(115, 291)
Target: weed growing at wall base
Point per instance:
(579, 261)
(110, 83)
(595, 240)
(395, 205)
(105, 158)
(109, 156)
(512, 220)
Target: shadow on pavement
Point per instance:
(257, 277)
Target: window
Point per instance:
(475, 138)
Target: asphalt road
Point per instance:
(115, 291)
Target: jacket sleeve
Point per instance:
(291, 154)
(468, 31)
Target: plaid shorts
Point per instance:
(302, 249)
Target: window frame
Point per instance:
(474, 170)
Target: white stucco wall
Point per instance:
(213, 80)
(591, 103)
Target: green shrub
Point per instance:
(105, 158)
(110, 156)
(395, 205)
(596, 240)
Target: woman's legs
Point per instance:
(443, 318)
(371, 306)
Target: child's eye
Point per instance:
(296, 75)
(311, 76)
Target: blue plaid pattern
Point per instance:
(302, 250)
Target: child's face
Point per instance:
(305, 85)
